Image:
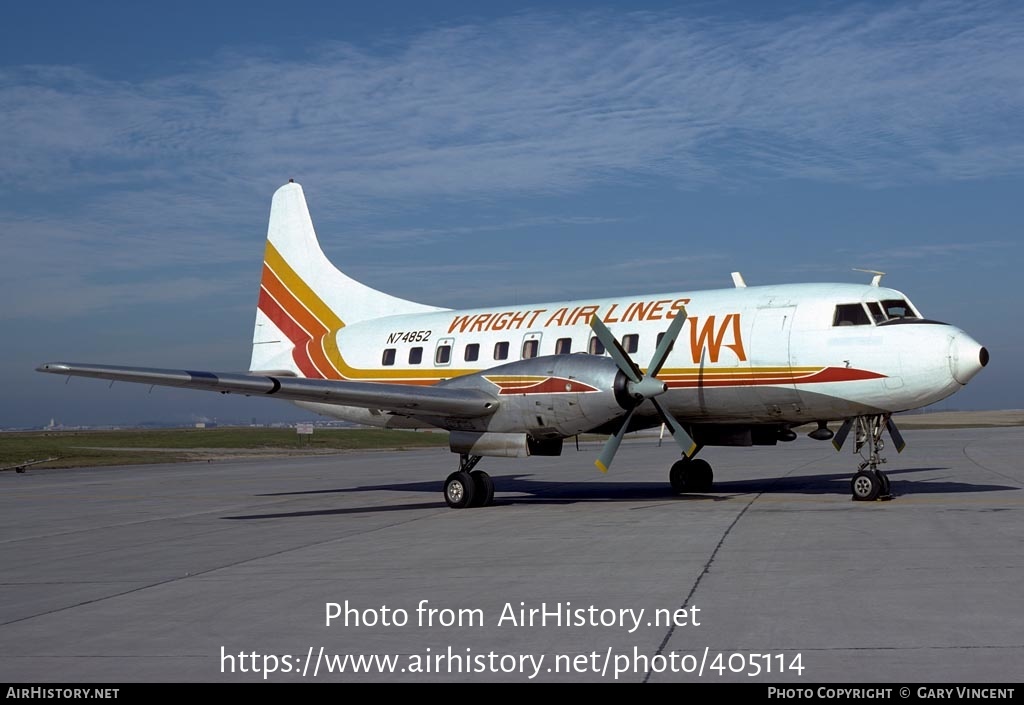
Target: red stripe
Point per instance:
(829, 374)
(840, 374)
(299, 337)
(306, 320)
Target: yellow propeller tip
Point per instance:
(600, 466)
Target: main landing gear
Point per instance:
(467, 487)
(691, 475)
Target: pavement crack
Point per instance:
(711, 559)
(696, 583)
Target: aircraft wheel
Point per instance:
(677, 476)
(459, 490)
(865, 486)
(483, 489)
(691, 476)
(885, 490)
(700, 477)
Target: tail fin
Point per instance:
(305, 300)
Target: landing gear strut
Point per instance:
(691, 475)
(870, 483)
(467, 487)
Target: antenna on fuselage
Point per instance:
(875, 280)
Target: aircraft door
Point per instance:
(771, 373)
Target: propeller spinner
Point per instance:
(642, 387)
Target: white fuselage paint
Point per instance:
(746, 355)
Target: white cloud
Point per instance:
(164, 171)
(554, 102)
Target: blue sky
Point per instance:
(481, 153)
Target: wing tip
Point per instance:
(53, 367)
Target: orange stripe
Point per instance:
(291, 329)
(301, 315)
(331, 323)
(301, 290)
(302, 323)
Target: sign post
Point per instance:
(304, 429)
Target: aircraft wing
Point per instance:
(407, 399)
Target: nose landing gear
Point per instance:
(870, 483)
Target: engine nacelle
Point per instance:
(502, 445)
(555, 396)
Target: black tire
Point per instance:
(459, 490)
(886, 490)
(691, 476)
(483, 489)
(865, 486)
(677, 476)
(700, 476)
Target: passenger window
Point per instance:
(631, 342)
(563, 346)
(501, 351)
(530, 348)
(596, 347)
(851, 315)
(388, 358)
(443, 355)
(415, 356)
(472, 352)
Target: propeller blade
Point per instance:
(840, 438)
(611, 446)
(642, 387)
(620, 356)
(667, 340)
(679, 434)
(894, 433)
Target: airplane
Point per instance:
(22, 467)
(512, 381)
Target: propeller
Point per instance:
(642, 387)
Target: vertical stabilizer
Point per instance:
(305, 300)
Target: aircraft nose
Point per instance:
(966, 357)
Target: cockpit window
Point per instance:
(851, 315)
(876, 311)
(898, 308)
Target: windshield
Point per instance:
(898, 308)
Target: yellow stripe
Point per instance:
(690, 371)
(515, 379)
(323, 313)
(301, 290)
(313, 303)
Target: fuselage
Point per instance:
(783, 354)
